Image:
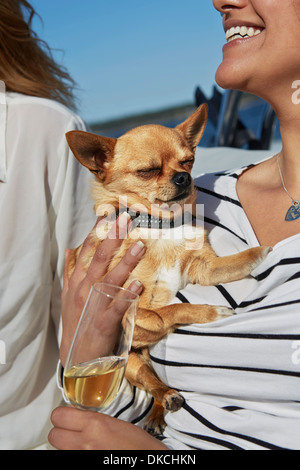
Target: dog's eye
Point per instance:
(148, 173)
(188, 163)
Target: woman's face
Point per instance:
(262, 50)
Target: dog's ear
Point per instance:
(193, 127)
(91, 150)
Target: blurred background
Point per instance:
(131, 56)
(138, 62)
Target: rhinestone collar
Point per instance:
(149, 221)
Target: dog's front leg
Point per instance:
(139, 372)
(151, 326)
(213, 270)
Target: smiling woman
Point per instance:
(267, 64)
(266, 56)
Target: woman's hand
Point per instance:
(88, 430)
(77, 287)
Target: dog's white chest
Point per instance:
(191, 236)
(172, 277)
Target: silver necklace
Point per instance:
(293, 212)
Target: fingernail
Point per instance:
(137, 248)
(123, 220)
(135, 286)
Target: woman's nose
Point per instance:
(224, 6)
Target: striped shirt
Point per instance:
(240, 376)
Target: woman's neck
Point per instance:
(261, 190)
(288, 114)
(289, 160)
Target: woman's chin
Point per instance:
(228, 79)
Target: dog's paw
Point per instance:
(172, 400)
(155, 425)
(155, 422)
(224, 312)
(264, 251)
(260, 253)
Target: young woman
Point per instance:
(240, 376)
(41, 211)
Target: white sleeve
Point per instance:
(71, 214)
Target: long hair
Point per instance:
(26, 62)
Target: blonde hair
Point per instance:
(26, 62)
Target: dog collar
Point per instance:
(149, 221)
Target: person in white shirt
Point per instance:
(44, 208)
(240, 376)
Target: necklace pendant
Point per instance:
(294, 212)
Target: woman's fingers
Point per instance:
(103, 252)
(120, 272)
(86, 430)
(77, 287)
(69, 418)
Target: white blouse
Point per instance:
(45, 207)
(240, 376)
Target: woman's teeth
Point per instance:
(241, 32)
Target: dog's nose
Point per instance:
(182, 179)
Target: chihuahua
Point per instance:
(147, 173)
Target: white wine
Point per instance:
(94, 385)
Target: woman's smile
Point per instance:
(240, 31)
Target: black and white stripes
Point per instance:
(240, 376)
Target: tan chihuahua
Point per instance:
(147, 172)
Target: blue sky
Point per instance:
(131, 56)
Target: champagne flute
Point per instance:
(98, 355)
